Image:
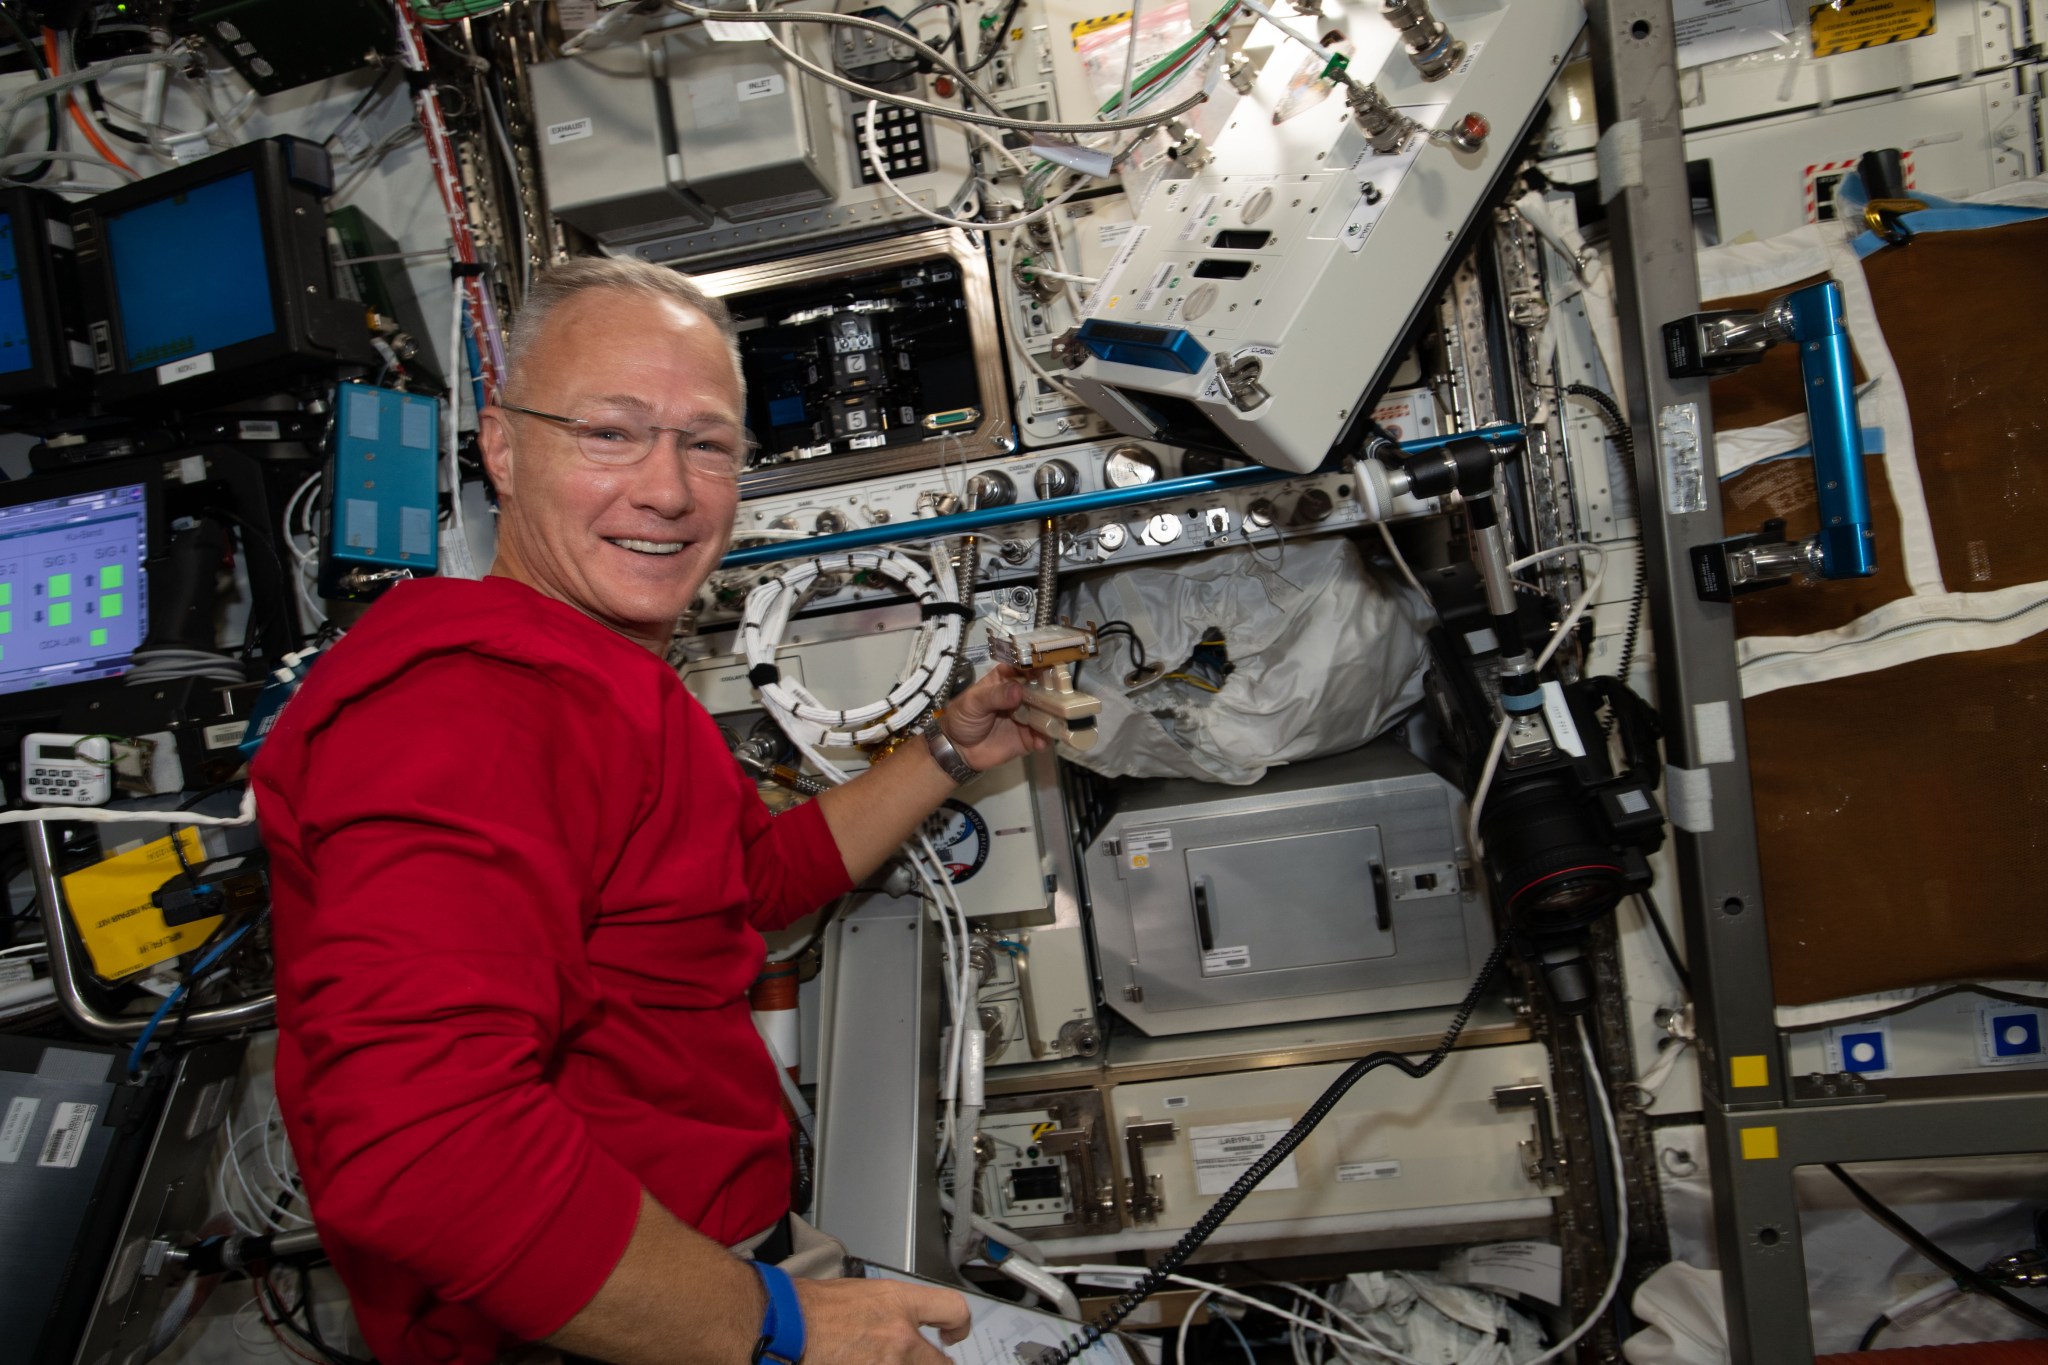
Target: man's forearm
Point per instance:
(872, 815)
(675, 1298)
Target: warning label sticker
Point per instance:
(1852, 25)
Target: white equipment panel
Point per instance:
(1774, 174)
(1967, 38)
(1393, 1143)
(1298, 248)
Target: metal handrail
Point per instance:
(64, 969)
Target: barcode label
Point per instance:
(66, 1141)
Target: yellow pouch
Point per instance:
(110, 906)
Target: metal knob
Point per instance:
(1055, 479)
(991, 489)
(1315, 505)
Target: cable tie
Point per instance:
(764, 675)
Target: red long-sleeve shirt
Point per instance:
(517, 879)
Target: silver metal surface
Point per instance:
(991, 434)
(66, 957)
(877, 1087)
(134, 1315)
(1227, 907)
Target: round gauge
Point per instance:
(1110, 538)
(1163, 529)
(1129, 466)
(960, 836)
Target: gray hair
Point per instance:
(557, 285)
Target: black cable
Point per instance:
(1617, 427)
(35, 57)
(1191, 1241)
(1969, 1280)
(313, 1322)
(1872, 1332)
(1654, 913)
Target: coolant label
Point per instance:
(1225, 1151)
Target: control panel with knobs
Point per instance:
(1309, 504)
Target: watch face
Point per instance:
(960, 835)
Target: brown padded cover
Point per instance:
(1902, 815)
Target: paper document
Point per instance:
(1005, 1334)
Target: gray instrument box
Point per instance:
(1331, 888)
(751, 129)
(607, 144)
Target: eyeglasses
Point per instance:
(616, 437)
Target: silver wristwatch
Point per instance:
(946, 756)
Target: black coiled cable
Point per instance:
(1191, 1241)
(1617, 427)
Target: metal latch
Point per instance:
(1092, 1202)
(1540, 1159)
(1145, 1201)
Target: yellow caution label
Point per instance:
(1852, 25)
(1083, 27)
(1747, 1073)
(1039, 1130)
(122, 930)
(1760, 1144)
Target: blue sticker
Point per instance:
(1863, 1051)
(2016, 1035)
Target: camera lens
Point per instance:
(1544, 851)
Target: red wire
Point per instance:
(78, 117)
(268, 1321)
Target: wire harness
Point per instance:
(809, 722)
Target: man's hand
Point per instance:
(981, 722)
(875, 1322)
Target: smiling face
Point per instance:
(627, 545)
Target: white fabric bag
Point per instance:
(1328, 653)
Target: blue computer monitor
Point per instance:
(191, 273)
(74, 599)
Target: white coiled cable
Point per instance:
(810, 723)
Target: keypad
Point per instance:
(901, 141)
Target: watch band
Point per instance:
(947, 757)
(782, 1326)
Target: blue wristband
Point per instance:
(782, 1326)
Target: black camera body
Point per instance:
(1565, 835)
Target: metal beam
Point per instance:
(1756, 1155)
(1649, 218)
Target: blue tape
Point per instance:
(1940, 215)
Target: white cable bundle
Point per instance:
(810, 723)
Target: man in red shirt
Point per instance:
(518, 887)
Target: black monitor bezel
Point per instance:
(309, 325)
(52, 374)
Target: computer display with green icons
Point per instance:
(72, 591)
